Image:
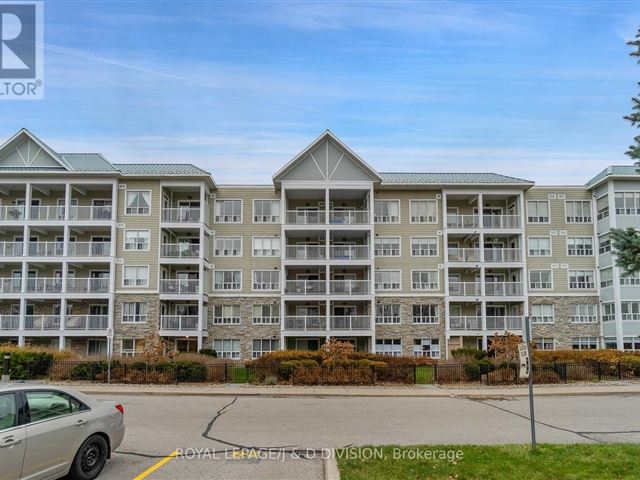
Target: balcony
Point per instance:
(350, 252)
(82, 213)
(181, 215)
(305, 217)
(179, 286)
(462, 255)
(350, 287)
(11, 213)
(463, 221)
(465, 289)
(46, 249)
(9, 322)
(86, 322)
(44, 285)
(500, 221)
(10, 285)
(465, 323)
(179, 323)
(502, 255)
(88, 285)
(11, 249)
(180, 250)
(504, 323)
(349, 217)
(42, 322)
(46, 213)
(351, 322)
(303, 323)
(89, 249)
(305, 287)
(503, 289)
(305, 252)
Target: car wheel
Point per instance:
(90, 459)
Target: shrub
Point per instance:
(209, 352)
(27, 363)
(286, 368)
(89, 370)
(190, 372)
(335, 352)
(468, 354)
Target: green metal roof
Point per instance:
(88, 162)
(159, 169)
(615, 170)
(448, 178)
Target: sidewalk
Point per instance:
(426, 391)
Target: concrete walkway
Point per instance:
(247, 390)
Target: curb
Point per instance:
(330, 467)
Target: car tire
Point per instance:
(90, 459)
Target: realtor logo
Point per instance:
(21, 50)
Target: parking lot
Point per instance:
(278, 438)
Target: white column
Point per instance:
(67, 200)
(480, 216)
(27, 201)
(114, 201)
(63, 320)
(615, 270)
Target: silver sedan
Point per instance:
(48, 432)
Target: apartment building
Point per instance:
(95, 255)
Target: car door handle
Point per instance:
(10, 443)
(80, 423)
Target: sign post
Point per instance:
(526, 371)
(109, 352)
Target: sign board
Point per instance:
(523, 353)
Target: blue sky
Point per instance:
(531, 89)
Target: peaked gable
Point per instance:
(25, 150)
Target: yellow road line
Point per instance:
(156, 466)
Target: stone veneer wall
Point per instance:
(406, 330)
(135, 330)
(562, 330)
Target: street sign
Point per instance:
(523, 353)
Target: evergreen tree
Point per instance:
(634, 117)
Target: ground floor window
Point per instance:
(96, 348)
(584, 343)
(389, 346)
(266, 345)
(631, 344)
(544, 343)
(426, 347)
(128, 347)
(227, 348)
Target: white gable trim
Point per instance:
(12, 143)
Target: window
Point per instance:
(606, 277)
(266, 211)
(424, 211)
(386, 211)
(8, 411)
(227, 279)
(134, 312)
(96, 347)
(227, 247)
(226, 314)
(627, 203)
(138, 202)
(46, 404)
(544, 343)
(136, 276)
(424, 280)
(538, 211)
(578, 211)
(386, 246)
(608, 312)
(579, 246)
(424, 246)
(266, 246)
(630, 310)
(266, 345)
(540, 279)
(539, 246)
(387, 280)
(630, 280)
(584, 343)
(389, 346)
(425, 314)
(228, 211)
(227, 348)
(583, 313)
(266, 280)
(542, 313)
(426, 347)
(388, 313)
(128, 347)
(581, 279)
(136, 240)
(602, 205)
(605, 244)
(266, 314)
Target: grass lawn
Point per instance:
(550, 462)
(424, 374)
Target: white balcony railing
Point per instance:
(305, 287)
(472, 289)
(44, 285)
(305, 322)
(500, 255)
(305, 252)
(463, 254)
(89, 249)
(181, 215)
(504, 323)
(42, 322)
(350, 322)
(9, 213)
(305, 217)
(86, 322)
(88, 285)
(46, 213)
(179, 322)
(179, 286)
(465, 323)
(10, 285)
(350, 252)
(500, 221)
(463, 221)
(180, 250)
(90, 213)
(349, 217)
(11, 249)
(503, 289)
(46, 249)
(350, 287)
(9, 322)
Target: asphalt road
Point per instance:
(211, 432)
